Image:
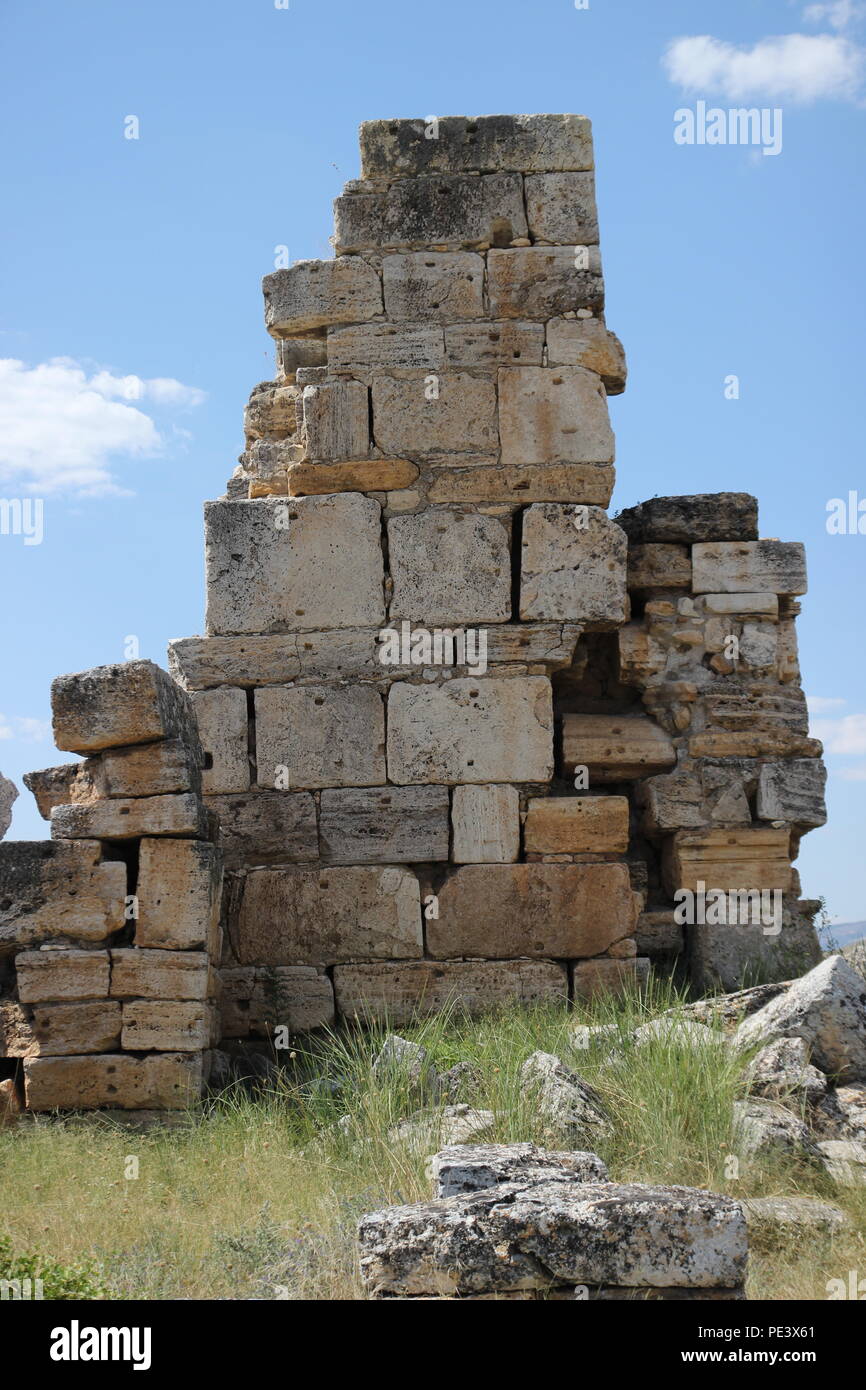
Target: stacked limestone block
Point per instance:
(107, 931)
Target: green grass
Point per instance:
(258, 1198)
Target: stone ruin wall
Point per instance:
(434, 455)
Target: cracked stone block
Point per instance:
(384, 825)
(577, 825)
(711, 516)
(400, 991)
(615, 749)
(43, 976)
(732, 567)
(555, 910)
(793, 791)
(129, 702)
(266, 827)
(471, 730)
(311, 295)
(450, 210)
(164, 1081)
(573, 566)
(337, 421)
(588, 343)
(178, 891)
(553, 415)
(456, 413)
(50, 889)
(486, 825)
(561, 208)
(450, 566)
(254, 1001)
(222, 724)
(394, 149)
(321, 916)
(292, 566)
(316, 736)
(541, 282)
(429, 285)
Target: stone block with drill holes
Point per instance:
(553, 415)
(573, 566)
(161, 1081)
(752, 859)
(320, 736)
(310, 295)
(223, 728)
(178, 895)
(577, 825)
(450, 566)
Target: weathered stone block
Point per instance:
(743, 567)
(148, 769)
(364, 475)
(50, 975)
(456, 415)
(266, 828)
(50, 890)
(337, 421)
(640, 655)
(130, 702)
(57, 1030)
(465, 1168)
(471, 730)
(127, 818)
(167, 1081)
(137, 974)
(742, 605)
(588, 483)
(573, 566)
(450, 566)
(272, 412)
(492, 344)
(385, 825)
(274, 565)
(596, 977)
(588, 343)
(316, 736)
(751, 859)
(256, 1001)
(540, 282)
(8, 795)
(727, 955)
(222, 722)
(486, 825)
(391, 149)
(399, 991)
(295, 354)
(312, 294)
(614, 749)
(655, 566)
(178, 894)
(553, 415)
(426, 285)
(793, 791)
(555, 910)
(450, 210)
(712, 516)
(317, 917)
(561, 208)
(365, 348)
(165, 1026)
(58, 786)
(577, 825)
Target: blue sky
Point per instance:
(132, 327)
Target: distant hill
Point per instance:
(844, 933)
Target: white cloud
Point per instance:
(792, 67)
(25, 728)
(839, 14)
(845, 737)
(61, 430)
(820, 704)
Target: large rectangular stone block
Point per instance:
(447, 211)
(751, 859)
(223, 729)
(399, 991)
(497, 343)
(362, 475)
(391, 149)
(615, 749)
(256, 1000)
(471, 730)
(429, 285)
(577, 825)
(414, 419)
(317, 736)
(655, 566)
(178, 893)
(573, 566)
(587, 483)
(558, 910)
(486, 824)
(450, 566)
(275, 565)
(129, 702)
(148, 769)
(58, 1030)
(540, 282)
(553, 415)
(128, 818)
(710, 516)
(166, 1081)
(151, 1025)
(318, 917)
(365, 348)
(560, 208)
(50, 975)
(384, 825)
(312, 294)
(49, 889)
(266, 828)
(731, 567)
(793, 791)
(337, 421)
(137, 974)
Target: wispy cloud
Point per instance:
(785, 67)
(24, 728)
(820, 704)
(839, 14)
(62, 429)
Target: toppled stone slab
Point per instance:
(108, 706)
(783, 1071)
(712, 516)
(844, 1161)
(397, 992)
(476, 144)
(50, 890)
(762, 1126)
(453, 1124)
(792, 1216)
(461, 1169)
(407, 1065)
(827, 1009)
(567, 1103)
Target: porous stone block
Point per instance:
(588, 343)
(271, 412)
(494, 343)
(222, 722)
(614, 749)
(711, 516)
(587, 483)
(127, 818)
(57, 1030)
(165, 1026)
(573, 566)
(471, 730)
(279, 566)
(165, 1081)
(449, 211)
(825, 1009)
(742, 605)
(731, 567)
(48, 890)
(148, 769)
(465, 1168)
(255, 1001)
(384, 825)
(554, 910)
(129, 702)
(793, 791)
(764, 941)
(752, 859)
(52, 975)
(597, 977)
(560, 208)
(363, 475)
(276, 827)
(337, 421)
(540, 282)
(394, 149)
(310, 295)
(450, 566)
(553, 415)
(577, 825)
(455, 414)
(318, 917)
(366, 348)
(486, 825)
(317, 736)
(147, 974)
(426, 285)
(398, 992)
(655, 566)
(178, 895)
(58, 786)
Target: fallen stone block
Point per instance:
(553, 415)
(792, 1216)
(449, 566)
(400, 991)
(317, 736)
(573, 566)
(223, 728)
(464, 1168)
(614, 749)
(384, 825)
(452, 1124)
(396, 149)
(777, 567)
(53, 975)
(429, 285)
(128, 818)
(486, 825)
(166, 1026)
(414, 419)
(153, 974)
(50, 890)
(178, 893)
(845, 1162)
(827, 1009)
(782, 1071)
(131, 702)
(564, 1100)
(255, 1001)
(165, 1081)
(577, 825)
(407, 1065)
(763, 1126)
(712, 516)
(310, 295)
(451, 211)
(266, 828)
(541, 282)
